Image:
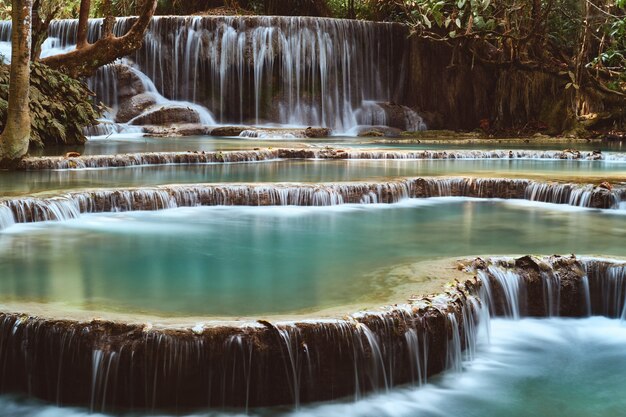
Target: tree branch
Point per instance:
(84, 61)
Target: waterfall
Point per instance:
(607, 287)
(509, 283)
(309, 71)
(258, 69)
(6, 217)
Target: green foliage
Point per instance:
(60, 106)
(65, 9)
(612, 57)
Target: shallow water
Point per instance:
(14, 183)
(531, 367)
(256, 260)
(131, 143)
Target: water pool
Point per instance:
(132, 143)
(16, 183)
(238, 261)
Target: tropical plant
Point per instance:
(60, 106)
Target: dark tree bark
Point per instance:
(87, 57)
(351, 10)
(16, 135)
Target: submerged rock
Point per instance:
(605, 185)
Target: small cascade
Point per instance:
(71, 205)
(574, 195)
(27, 210)
(607, 287)
(372, 114)
(104, 373)
(147, 158)
(107, 127)
(553, 286)
(157, 158)
(417, 345)
(454, 352)
(6, 216)
(269, 134)
(509, 284)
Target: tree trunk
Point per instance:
(16, 135)
(83, 24)
(87, 58)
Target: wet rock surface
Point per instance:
(167, 115)
(128, 82)
(134, 106)
(227, 131)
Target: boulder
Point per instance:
(128, 82)
(167, 115)
(134, 106)
(317, 132)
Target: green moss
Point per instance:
(60, 106)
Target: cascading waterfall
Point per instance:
(311, 71)
(257, 70)
(71, 205)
